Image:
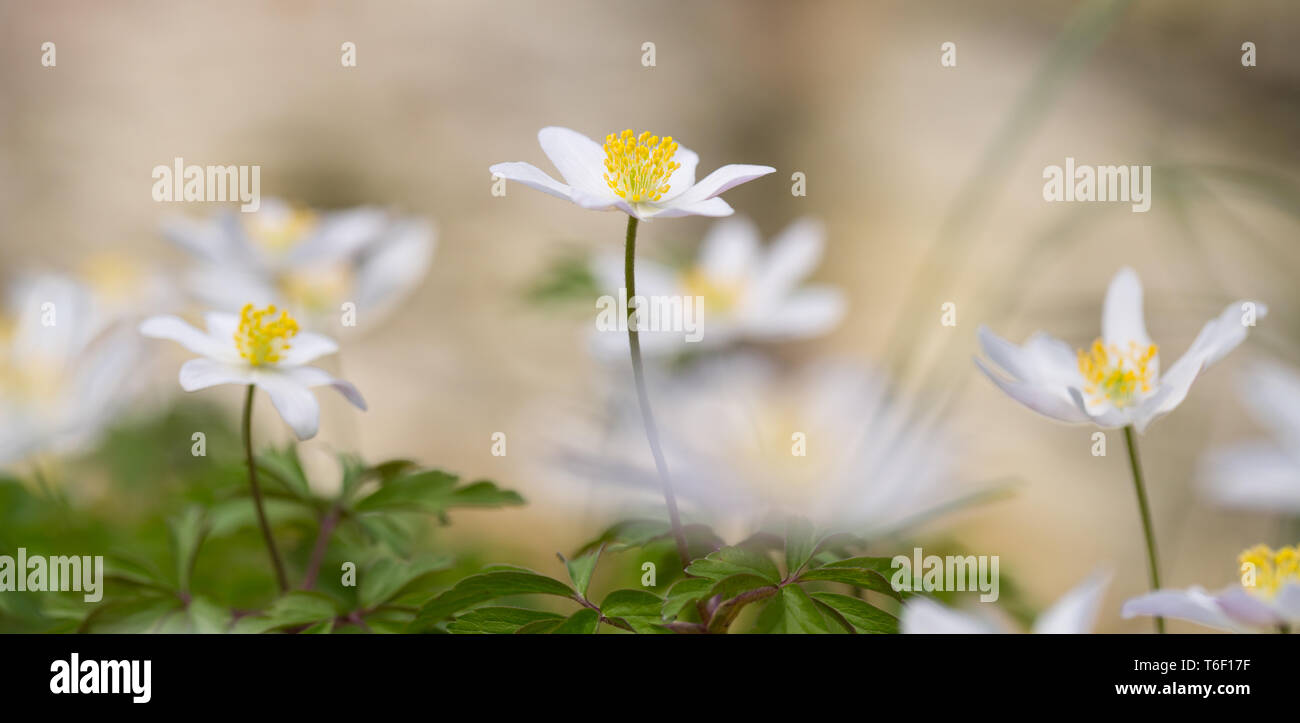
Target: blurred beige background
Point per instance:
(851, 93)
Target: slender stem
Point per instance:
(1153, 565)
(257, 492)
(647, 416)
(327, 525)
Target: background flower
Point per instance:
(311, 262)
(1075, 613)
(750, 293)
(1261, 475)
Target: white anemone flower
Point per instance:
(261, 349)
(749, 444)
(309, 262)
(1267, 600)
(642, 175)
(748, 293)
(1261, 475)
(1117, 381)
(1075, 613)
(67, 366)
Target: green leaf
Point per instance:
(187, 533)
(798, 544)
(301, 607)
(324, 627)
(793, 612)
(862, 615)
(734, 560)
(882, 565)
(856, 576)
(583, 622)
(388, 578)
(123, 569)
(497, 620)
(478, 589)
(581, 569)
(434, 491)
(541, 627)
(207, 617)
(684, 593)
(632, 603)
(282, 468)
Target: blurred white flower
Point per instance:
(642, 175)
(308, 262)
(1117, 381)
(1268, 599)
(261, 349)
(748, 444)
(67, 363)
(1074, 614)
(1262, 475)
(750, 293)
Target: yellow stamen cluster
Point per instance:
(281, 231)
(719, 296)
(262, 336)
(1264, 571)
(637, 167)
(1115, 374)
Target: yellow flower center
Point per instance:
(1264, 571)
(316, 290)
(719, 296)
(262, 336)
(1118, 375)
(280, 231)
(637, 167)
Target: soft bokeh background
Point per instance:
(928, 179)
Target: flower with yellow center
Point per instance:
(310, 262)
(260, 347)
(640, 174)
(750, 291)
(1264, 570)
(1117, 382)
(1266, 600)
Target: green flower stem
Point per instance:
(647, 416)
(1153, 565)
(257, 492)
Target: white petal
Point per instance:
(1247, 610)
(1193, 604)
(714, 207)
(221, 325)
(927, 617)
(340, 235)
(580, 160)
(793, 255)
(719, 181)
(305, 347)
(1256, 476)
(599, 200)
(684, 177)
(199, 374)
(292, 399)
(1076, 612)
(1042, 360)
(396, 266)
(1044, 399)
(1121, 317)
(811, 311)
(728, 251)
(533, 177)
(1271, 393)
(315, 377)
(1287, 602)
(1218, 337)
(175, 329)
(1108, 416)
